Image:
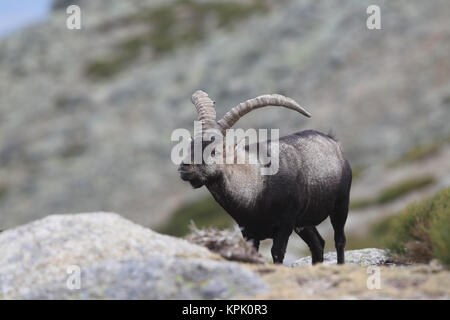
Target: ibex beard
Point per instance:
(312, 179)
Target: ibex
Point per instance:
(313, 182)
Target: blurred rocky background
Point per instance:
(86, 115)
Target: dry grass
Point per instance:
(350, 282)
(228, 243)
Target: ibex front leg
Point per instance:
(251, 239)
(280, 241)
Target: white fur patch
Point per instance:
(322, 158)
(243, 182)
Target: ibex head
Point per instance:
(198, 174)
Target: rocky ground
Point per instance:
(118, 259)
(350, 282)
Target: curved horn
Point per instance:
(232, 116)
(204, 106)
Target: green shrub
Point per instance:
(421, 231)
(440, 236)
(394, 192)
(418, 233)
(205, 213)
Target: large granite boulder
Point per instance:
(104, 256)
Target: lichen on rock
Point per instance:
(362, 257)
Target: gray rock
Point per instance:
(362, 257)
(117, 259)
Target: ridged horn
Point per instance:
(277, 100)
(205, 108)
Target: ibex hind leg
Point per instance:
(314, 241)
(338, 219)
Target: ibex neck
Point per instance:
(238, 187)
